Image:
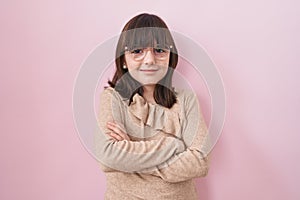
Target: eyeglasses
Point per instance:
(139, 53)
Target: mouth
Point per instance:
(148, 70)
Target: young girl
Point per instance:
(151, 134)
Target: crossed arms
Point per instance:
(170, 158)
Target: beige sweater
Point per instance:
(164, 154)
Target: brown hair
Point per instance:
(144, 30)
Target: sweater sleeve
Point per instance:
(193, 162)
(128, 156)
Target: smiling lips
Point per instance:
(148, 70)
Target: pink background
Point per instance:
(255, 45)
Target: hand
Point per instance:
(117, 132)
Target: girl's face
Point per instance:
(147, 65)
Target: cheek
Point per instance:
(164, 64)
(131, 64)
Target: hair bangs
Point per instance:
(147, 37)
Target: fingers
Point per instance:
(115, 136)
(115, 127)
(117, 131)
(119, 137)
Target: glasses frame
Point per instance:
(138, 56)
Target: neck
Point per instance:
(148, 93)
(148, 89)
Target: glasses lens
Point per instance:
(161, 53)
(137, 53)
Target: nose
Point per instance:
(149, 58)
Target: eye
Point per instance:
(137, 51)
(160, 50)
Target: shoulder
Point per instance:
(106, 94)
(109, 95)
(107, 91)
